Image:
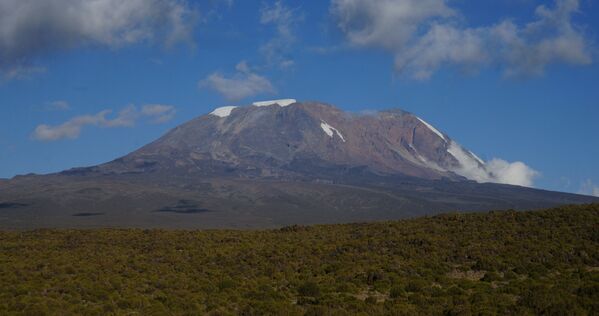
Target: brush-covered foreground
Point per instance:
(543, 262)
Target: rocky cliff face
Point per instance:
(299, 137)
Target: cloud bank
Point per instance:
(127, 117)
(426, 35)
(32, 28)
(244, 83)
(516, 173)
(496, 170)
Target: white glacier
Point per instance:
(281, 102)
(223, 111)
(477, 158)
(329, 130)
(434, 130)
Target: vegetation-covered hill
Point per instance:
(543, 262)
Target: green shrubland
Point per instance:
(542, 262)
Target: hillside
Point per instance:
(542, 262)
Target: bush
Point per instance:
(425, 265)
(397, 291)
(309, 289)
(491, 277)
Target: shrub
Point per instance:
(309, 289)
(397, 291)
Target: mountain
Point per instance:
(296, 140)
(269, 164)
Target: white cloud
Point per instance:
(496, 170)
(70, 129)
(244, 83)
(10, 72)
(552, 38)
(589, 188)
(161, 113)
(425, 35)
(441, 45)
(32, 28)
(516, 173)
(127, 117)
(386, 23)
(277, 50)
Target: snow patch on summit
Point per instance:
(223, 111)
(330, 130)
(281, 102)
(434, 130)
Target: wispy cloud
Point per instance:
(32, 28)
(159, 112)
(589, 188)
(126, 117)
(70, 129)
(244, 83)
(277, 50)
(214, 9)
(426, 35)
(10, 72)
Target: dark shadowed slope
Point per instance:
(268, 166)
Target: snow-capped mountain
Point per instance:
(274, 137)
(273, 163)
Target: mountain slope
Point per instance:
(267, 165)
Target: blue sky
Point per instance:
(511, 79)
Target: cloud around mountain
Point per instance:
(499, 171)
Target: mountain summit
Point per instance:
(269, 164)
